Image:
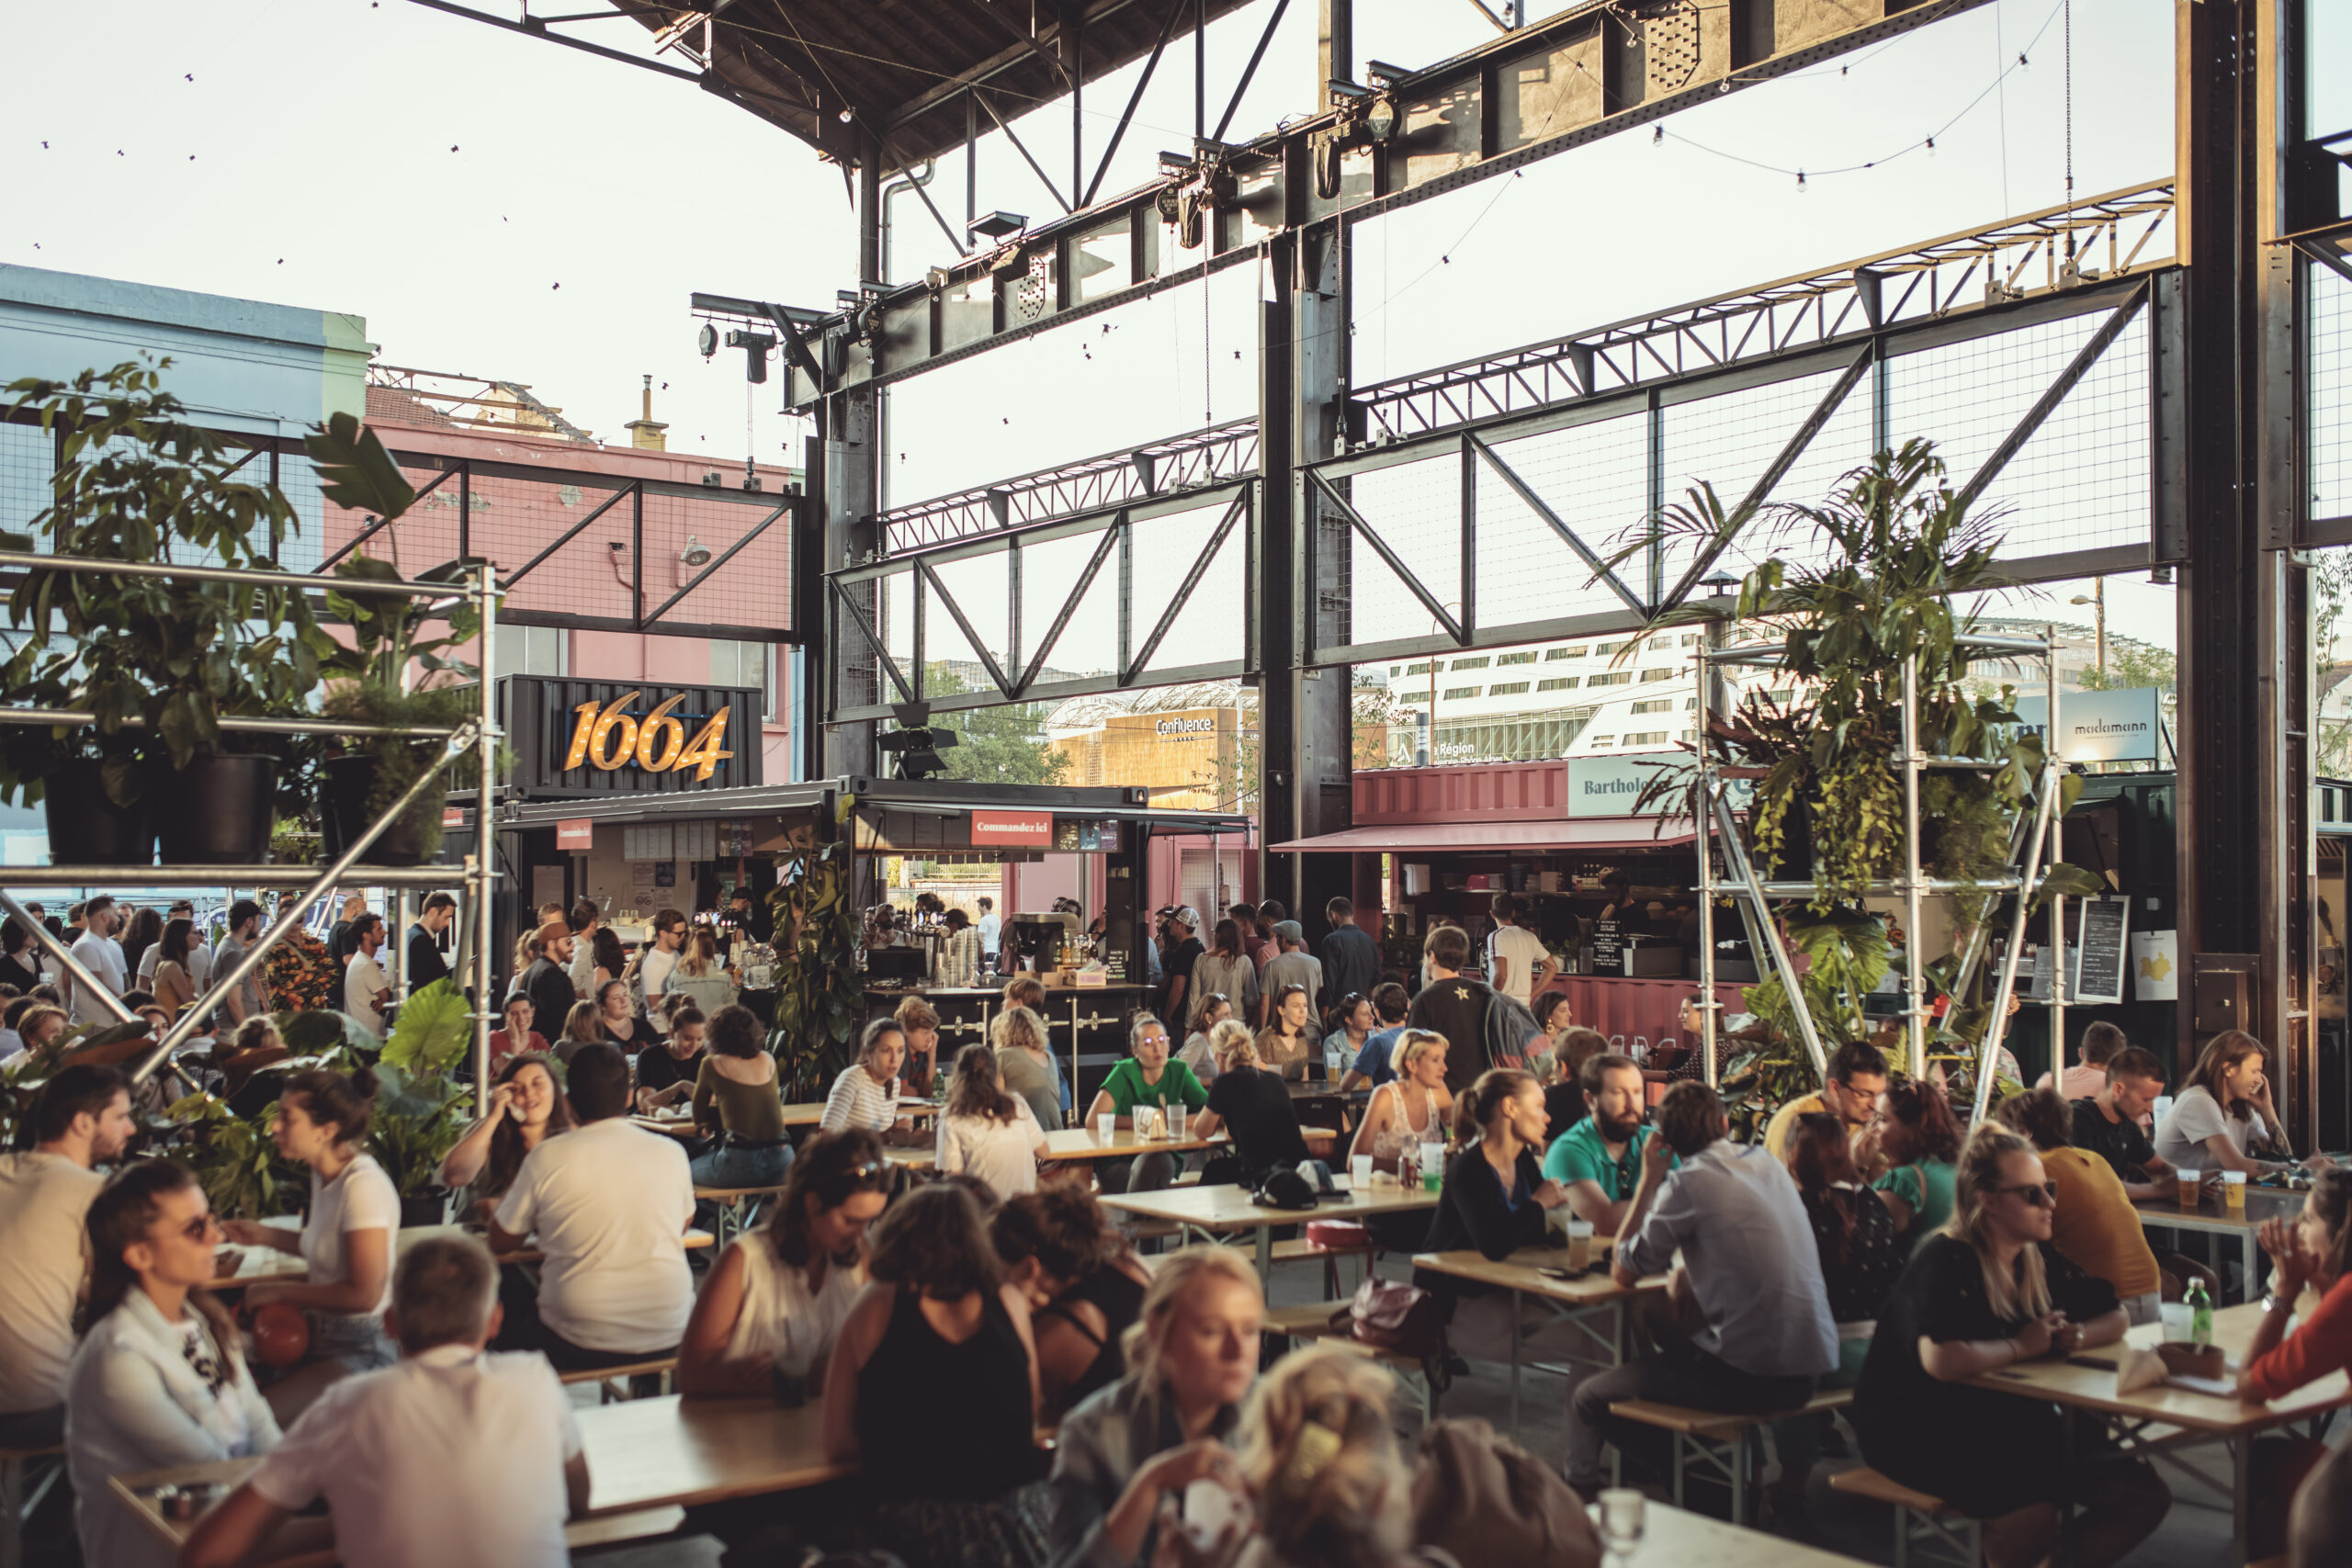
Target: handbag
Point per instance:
(1483, 1498)
(1396, 1317)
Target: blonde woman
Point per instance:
(1318, 1451)
(699, 977)
(1025, 1059)
(1987, 1292)
(1254, 1103)
(1415, 1107)
(1129, 1450)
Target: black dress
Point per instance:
(1984, 1452)
(1120, 1301)
(1862, 1265)
(1474, 1212)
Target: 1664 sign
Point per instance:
(607, 736)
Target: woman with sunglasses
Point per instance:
(160, 1379)
(1988, 1291)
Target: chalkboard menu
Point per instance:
(1608, 947)
(2100, 949)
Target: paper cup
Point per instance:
(1104, 1126)
(1359, 1172)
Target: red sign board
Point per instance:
(453, 817)
(1033, 828)
(575, 833)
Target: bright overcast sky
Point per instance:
(495, 206)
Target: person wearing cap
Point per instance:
(1183, 927)
(546, 982)
(1293, 965)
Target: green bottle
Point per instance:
(2200, 1313)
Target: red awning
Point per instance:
(1588, 833)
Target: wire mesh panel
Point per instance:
(2330, 359)
(2081, 480)
(979, 585)
(1729, 441)
(1967, 397)
(1526, 572)
(1165, 548)
(1595, 478)
(27, 460)
(1416, 509)
(1089, 645)
(1211, 628)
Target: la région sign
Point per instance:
(606, 737)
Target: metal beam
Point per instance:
(956, 613)
(1542, 509)
(1249, 71)
(873, 640)
(721, 560)
(2055, 394)
(1191, 580)
(1023, 148)
(1111, 538)
(1404, 574)
(1127, 114)
(572, 532)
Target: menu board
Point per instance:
(2098, 952)
(1608, 947)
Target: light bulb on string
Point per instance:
(1931, 146)
(1800, 182)
(1657, 136)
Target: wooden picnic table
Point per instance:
(1685, 1540)
(1577, 1300)
(260, 1265)
(2211, 1217)
(682, 1126)
(1223, 1210)
(1066, 1144)
(2085, 1384)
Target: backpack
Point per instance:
(1484, 1499)
(1397, 1317)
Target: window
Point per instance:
(1526, 658)
(1563, 653)
(1610, 678)
(744, 664)
(1690, 735)
(1603, 739)
(1663, 706)
(1418, 669)
(1689, 639)
(1478, 663)
(1413, 696)
(1690, 702)
(1658, 674)
(1657, 642)
(1607, 646)
(1457, 693)
(1557, 683)
(1394, 671)
(529, 651)
(1646, 738)
(1507, 689)
(1784, 695)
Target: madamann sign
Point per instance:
(606, 737)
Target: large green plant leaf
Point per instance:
(354, 470)
(436, 1026)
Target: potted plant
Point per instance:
(419, 1112)
(821, 990)
(159, 660)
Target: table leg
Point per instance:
(1517, 1307)
(2248, 1256)
(2242, 1485)
(1266, 1255)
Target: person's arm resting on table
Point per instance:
(366, 1264)
(1648, 1233)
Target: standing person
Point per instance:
(1293, 965)
(584, 920)
(364, 989)
(700, 978)
(525, 1109)
(933, 1382)
(1856, 1078)
(865, 1094)
(487, 1441)
(1271, 914)
(1454, 1006)
(161, 1380)
(1373, 1064)
(2223, 1118)
(1350, 958)
(1986, 1293)
(199, 960)
(1258, 947)
(2094, 1226)
(19, 967)
(606, 960)
(610, 1203)
(960, 955)
(667, 1075)
(1633, 916)
(1226, 970)
(985, 1132)
(770, 1310)
(653, 965)
(95, 952)
(737, 1101)
(1285, 1044)
(1748, 1257)
(547, 981)
(1182, 953)
(1597, 1161)
(1084, 1284)
(339, 934)
(1256, 1104)
(2101, 1040)
(988, 928)
(141, 929)
(80, 1118)
(1025, 1060)
(345, 1242)
(1517, 963)
(170, 961)
(303, 976)
(1919, 1139)
(1145, 1075)
(1135, 1444)
(425, 964)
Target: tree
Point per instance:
(994, 745)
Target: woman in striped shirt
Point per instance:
(867, 1096)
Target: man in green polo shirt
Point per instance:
(1599, 1160)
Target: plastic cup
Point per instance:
(2177, 1317)
(1359, 1172)
(2191, 1181)
(1579, 1244)
(1432, 1166)
(1176, 1116)
(1104, 1126)
(2233, 1190)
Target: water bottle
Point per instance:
(2200, 1313)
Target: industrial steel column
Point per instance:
(2245, 854)
(848, 426)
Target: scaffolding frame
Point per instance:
(480, 734)
(1753, 895)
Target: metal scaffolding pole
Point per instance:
(1915, 1001)
(481, 875)
(83, 979)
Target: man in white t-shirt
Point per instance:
(988, 928)
(96, 951)
(81, 1118)
(610, 1204)
(653, 966)
(453, 1455)
(199, 956)
(364, 989)
(1518, 965)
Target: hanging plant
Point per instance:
(821, 990)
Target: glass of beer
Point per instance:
(2233, 1190)
(2191, 1181)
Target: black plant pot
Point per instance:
(217, 810)
(86, 829)
(344, 815)
(430, 1207)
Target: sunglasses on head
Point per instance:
(2041, 1194)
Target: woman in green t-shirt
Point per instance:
(1919, 1139)
(1145, 1078)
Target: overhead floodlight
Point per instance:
(1343, 89)
(996, 225)
(696, 553)
(1383, 74)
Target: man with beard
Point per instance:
(1599, 1160)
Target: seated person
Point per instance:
(1166, 1422)
(1286, 1044)
(1915, 1142)
(1598, 1161)
(2223, 1118)
(1318, 1452)
(1026, 1059)
(1749, 1262)
(1084, 1286)
(1989, 1292)
(920, 1026)
(456, 1455)
(2095, 1226)
(2101, 1040)
(667, 1077)
(2313, 1250)
(1414, 1107)
(1856, 1078)
(1494, 1199)
(80, 1117)
(1372, 1065)
(161, 1379)
(866, 1094)
(986, 1132)
(1212, 1010)
(1564, 1095)
(2113, 1125)
(1255, 1104)
(621, 1023)
(526, 1107)
(584, 1025)
(518, 1035)
(935, 1375)
(610, 1203)
(1145, 1077)
(1354, 1021)
(769, 1310)
(737, 1101)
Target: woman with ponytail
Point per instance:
(1918, 1138)
(1494, 1199)
(347, 1242)
(1320, 1451)
(159, 1381)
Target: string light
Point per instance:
(1800, 182)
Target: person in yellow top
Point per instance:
(2094, 1226)
(1857, 1077)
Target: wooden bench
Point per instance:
(1312, 1321)
(733, 1205)
(1921, 1522)
(16, 1466)
(1721, 1442)
(617, 1383)
(1300, 1247)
